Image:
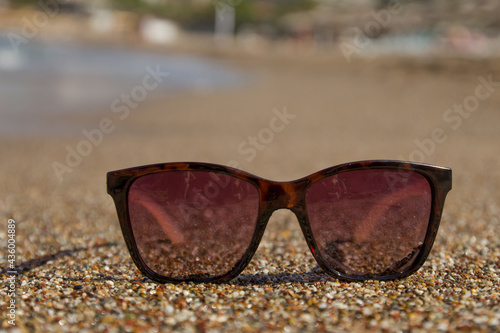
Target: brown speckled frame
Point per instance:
(278, 195)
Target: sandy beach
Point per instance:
(75, 273)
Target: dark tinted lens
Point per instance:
(370, 222)
(192, 224)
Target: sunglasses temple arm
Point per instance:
(365, 228)
(164, 220)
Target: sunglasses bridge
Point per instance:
(283, 195)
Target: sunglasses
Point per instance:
(200, 222)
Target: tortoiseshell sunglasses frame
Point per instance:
(280, 195)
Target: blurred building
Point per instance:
(464, 24)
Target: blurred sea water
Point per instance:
(41, 80)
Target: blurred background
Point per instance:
(62, 61)
(59, 59)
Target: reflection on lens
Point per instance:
(370, 222)
(192, 224)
